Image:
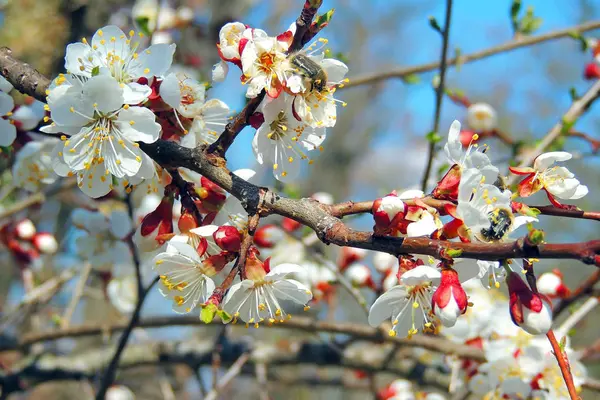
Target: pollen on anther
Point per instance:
(147, 70)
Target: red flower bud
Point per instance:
(256, 120)
(268, 235)
(447, 187)
(228, 238)
(387, 212)
(156, 226)
(528, 310)
(212, 196)
(350, 255)
(187, 221)
(290, 225)
(551, 284)
(449, 301)
(360, 275)
(591, 71)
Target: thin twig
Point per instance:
(578, 107)
(563, 363)
(231, 373)
(439, 94)
(525, 41)
(585, 288)
(260, 369)
(77, 293)
(111, 370)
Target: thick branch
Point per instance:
(23, 77)
(467, 58)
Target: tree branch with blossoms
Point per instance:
(123, 124)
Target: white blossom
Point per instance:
(481, 117)
(33, 165)
(8, 132)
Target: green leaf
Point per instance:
(573, 93)
(208, 313)
(515, 7)
(411, 79)
(435, 25)
(143, 25)
(433, 137)
(536, 236)
(454, 253)
(225, 316)
(322, 20)
(96, 70)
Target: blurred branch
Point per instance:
(363, 332)
(583, 289)
(111, 370)
(463, 59)
(39, 197)
(77, 293)
(578, 107)
(234, 370)
(439, 94)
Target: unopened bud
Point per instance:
(350, 255)
(45, 242)
(528, 310)
(449, 301)
(228, 238)
(25, 229)
(268, 236)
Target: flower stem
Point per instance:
(563, 363)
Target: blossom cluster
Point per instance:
(299, 87)
(481, 209)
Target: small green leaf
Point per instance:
(323, 19)
(536, 236)
(572, 332)
(515, 7)
(573, 93)
(454, 253)
(225, 316)
(208, 313)
(433, 137)
(96, 70)
(143, 25)
(411, 79)
(435, 25)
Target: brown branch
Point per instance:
(568, 213)
(585, 288)
(578, 107)
(358, 331)
(563, 363)
(332, 230)
(23, 77)
(439, 94)
(467, 58)
(595, 143)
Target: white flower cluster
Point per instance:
(299, 88)
(519, 365)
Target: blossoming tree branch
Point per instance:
(147, 144)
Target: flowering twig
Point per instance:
(111, 370)
(467, 58)
(595, 143)
(241, 120)
(563, 363)
(439, 93)
(233, 371)
(568, 213)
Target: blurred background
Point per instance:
(377, 145)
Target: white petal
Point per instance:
(385, 305)
(6, 103)
(467, 268)
(184, 250)
(105, 92)
(411, 194)
(28, 116)
(543, 161)
(219, 71)
(74, 53)
(245, 173)
(120, 224)
(8, 133)
(5, 85)
(91, 181)
(420, 275)
(205, 231)
(282, 270)
(581, 191)
(155, 61)
(335, 69)
(144, 127)
(289, 289)
(170, 91)
(135, 93)
(453, 147)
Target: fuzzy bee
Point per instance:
(501, 220)
(314, 76)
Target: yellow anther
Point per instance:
(392, 333)
(290, 159)
(275, 166)
(147, 70)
